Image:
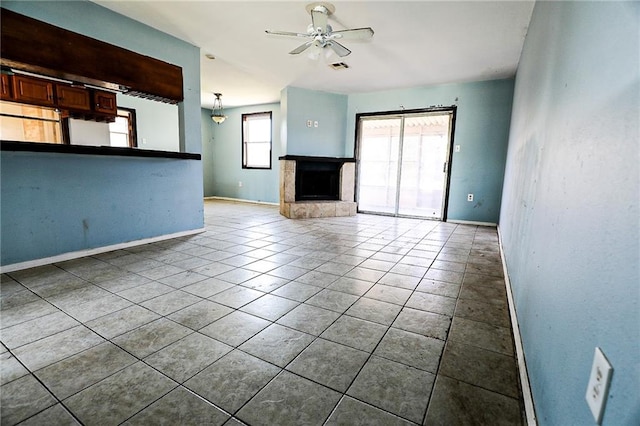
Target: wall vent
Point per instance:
(339, 66)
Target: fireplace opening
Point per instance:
(317, 180)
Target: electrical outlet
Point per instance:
(309, 123)
(469, 197)
(239, 184)
(315, 124)
(457, 148)
(598, 386)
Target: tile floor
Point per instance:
(262, 320)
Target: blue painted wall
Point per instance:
(328, 109)
(482, 128)
(222, 157)
(54, 204)
(569, 219)
(58, 203)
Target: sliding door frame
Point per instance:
(448, 109)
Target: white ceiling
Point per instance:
(416, 43)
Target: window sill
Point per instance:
(94, 150)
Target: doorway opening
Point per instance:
(403, 162)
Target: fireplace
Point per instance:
(317, 180)
(317, 186)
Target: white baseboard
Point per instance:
(90, 252)
(472, 222)
(527, 396)
(240, 200)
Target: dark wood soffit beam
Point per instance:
(35, 46)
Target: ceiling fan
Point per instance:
(319, 32)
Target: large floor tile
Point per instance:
(483, 335)
(297, 291)
(411, 349)
(145, 292)
(10, 368)
(317, 278)
(73, 374)
(423, 322)
(389, 294)
(55, 415)
(265, 283)
(290, 400)
(483, 312)
(374, 310)
(235, 328)
(351, 412)
(332, 300)
(432, 303)
(277, 344)
(23, 398)
(149, 338)
(480, 367)
(394, 387)
(458, 403)
(399, 280)
(200, 314)
(232, 380)
(356, 333)
(440, 288)
(120, 322)
(351, 286)
(236, 297)
(207, 288)
(119, 396)
(188, 356)
(309, 319)
(269, 307)
(26, 312)
(179, 407)
(170, 302)
(51, 349)
(98, 307)
(36, 329)
(329, 363)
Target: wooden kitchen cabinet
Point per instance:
(6, 93)
(33, 90)
(76, 101)
(70, 97)
(105, 102)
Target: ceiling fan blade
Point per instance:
(319, 17)
(301, 48)
(286, 33)
(338, 48)
(356, 33)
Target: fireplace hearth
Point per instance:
(317, 186)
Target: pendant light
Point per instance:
(217, 114)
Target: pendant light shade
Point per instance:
(217, 115)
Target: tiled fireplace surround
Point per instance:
(292, 209)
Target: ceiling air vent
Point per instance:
(339, 66)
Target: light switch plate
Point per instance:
(598, 387)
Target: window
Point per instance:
(256, 140)
(29, 123)
(122, 132)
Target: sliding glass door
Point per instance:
(403, 163)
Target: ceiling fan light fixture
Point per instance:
(321, 35)
(217, 114)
